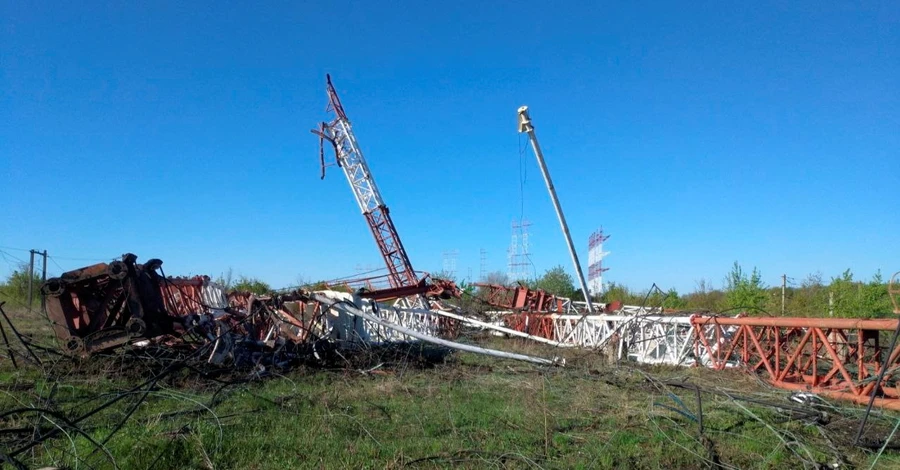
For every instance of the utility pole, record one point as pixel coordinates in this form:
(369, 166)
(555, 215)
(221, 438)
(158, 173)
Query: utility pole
(43, 280)
(30, 278)
(526, 127)
(783, 285)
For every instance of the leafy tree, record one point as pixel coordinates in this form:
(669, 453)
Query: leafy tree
(253, 285)
(15, 288)
(743, 291)
(558, 282)
(876, 298)
(673, 300)
(855, 299)
(618, 292)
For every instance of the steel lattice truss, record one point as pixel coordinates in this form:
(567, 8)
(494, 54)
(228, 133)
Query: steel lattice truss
(839, 358)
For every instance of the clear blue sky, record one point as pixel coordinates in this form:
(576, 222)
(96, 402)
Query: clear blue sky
(696, 134)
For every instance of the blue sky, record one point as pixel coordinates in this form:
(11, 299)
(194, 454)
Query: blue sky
(697, 134)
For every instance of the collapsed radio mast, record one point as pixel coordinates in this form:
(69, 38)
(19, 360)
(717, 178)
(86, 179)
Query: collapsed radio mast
(350, 158)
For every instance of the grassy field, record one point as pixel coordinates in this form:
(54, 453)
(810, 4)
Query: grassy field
(467, 411)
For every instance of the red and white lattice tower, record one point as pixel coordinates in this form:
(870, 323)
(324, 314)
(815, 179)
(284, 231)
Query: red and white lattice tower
(350, 158)
(595, 261)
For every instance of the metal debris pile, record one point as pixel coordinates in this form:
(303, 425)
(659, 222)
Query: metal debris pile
(107, 305)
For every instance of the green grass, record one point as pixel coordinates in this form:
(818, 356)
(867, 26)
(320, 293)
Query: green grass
(470, 412)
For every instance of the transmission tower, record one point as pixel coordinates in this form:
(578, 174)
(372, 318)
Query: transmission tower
(595, 261)
(482, 272)
(450, 263)
(519, 256)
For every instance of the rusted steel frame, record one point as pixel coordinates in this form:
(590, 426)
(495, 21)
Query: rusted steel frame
(769, 340)
(811, 361)
(764, 358)
(305, 326)
(838, 363)
(396, 292)
(105, 305)
(792, 359)
(860, 356)
(398, 264)
(497, 295)
(892, 358)
(731, 346)
(426, 286)
(182, 296)
(523, 298)
(534, 325)
(700, 338)
(66, 312)
(876, 359)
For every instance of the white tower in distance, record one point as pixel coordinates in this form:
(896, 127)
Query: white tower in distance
(595, 261)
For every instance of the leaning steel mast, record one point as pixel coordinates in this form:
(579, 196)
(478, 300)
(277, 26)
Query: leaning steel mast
(526, 127)
(350, 159)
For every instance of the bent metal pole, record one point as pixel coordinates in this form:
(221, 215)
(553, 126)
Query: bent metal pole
(526, 127)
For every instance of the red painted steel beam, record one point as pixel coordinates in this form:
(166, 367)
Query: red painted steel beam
(800, 322)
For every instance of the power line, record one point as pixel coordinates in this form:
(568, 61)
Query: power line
(14, 248)
(67, 258)
(4, 254)
(57, 264)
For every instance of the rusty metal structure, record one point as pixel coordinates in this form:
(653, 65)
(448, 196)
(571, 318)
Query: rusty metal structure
(834, 357)
(521, 298)
(380, 289)
(105, 305)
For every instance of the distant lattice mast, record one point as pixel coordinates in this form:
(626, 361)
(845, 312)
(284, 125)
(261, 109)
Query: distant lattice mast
(595, 261)
(519, 256)
(450, 263)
